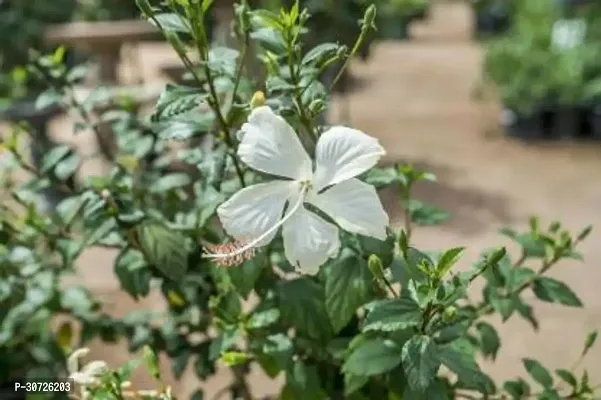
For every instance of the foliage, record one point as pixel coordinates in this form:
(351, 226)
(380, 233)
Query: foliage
(530, 70)
(383, 319)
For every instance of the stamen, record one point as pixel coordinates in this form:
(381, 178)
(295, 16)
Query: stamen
(233, 261)
(239, 250)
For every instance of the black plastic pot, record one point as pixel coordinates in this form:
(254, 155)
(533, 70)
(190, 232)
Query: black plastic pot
(594, 120)
(491, 21)
(421, 14)
(524, 126)
(567, 122)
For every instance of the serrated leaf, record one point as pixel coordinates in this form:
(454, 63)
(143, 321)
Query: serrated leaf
(538, 372)
(448, 259)
(320, 52)
(458, 357)
(302, 304)
(171, 22)
(176, 100)
(392, 314)
(163, 248)
(420, 362)
(169, 182)
(554, 291)
(347, 287)
(373, 357)
(270, 39)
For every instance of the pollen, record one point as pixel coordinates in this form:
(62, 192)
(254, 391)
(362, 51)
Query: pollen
(233, 248)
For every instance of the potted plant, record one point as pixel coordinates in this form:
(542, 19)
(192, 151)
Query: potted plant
(491, 17)
(543, 77)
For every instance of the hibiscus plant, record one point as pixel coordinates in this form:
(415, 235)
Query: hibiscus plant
(265, 235)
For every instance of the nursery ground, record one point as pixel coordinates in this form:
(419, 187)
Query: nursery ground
(416, 97)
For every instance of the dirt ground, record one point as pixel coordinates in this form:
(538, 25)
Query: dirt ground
(416, 97)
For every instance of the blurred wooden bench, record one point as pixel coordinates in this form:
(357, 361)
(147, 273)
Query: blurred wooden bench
(103, 39)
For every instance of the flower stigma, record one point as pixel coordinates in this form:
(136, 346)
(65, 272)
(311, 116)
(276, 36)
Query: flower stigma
(237, 252)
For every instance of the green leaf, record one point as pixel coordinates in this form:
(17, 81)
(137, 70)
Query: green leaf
(53, 157)
(302, 304)
(304, 381)
(384, 249)
(518, 277)
(406, 268)
(382, 177)
(245, 275)
(519, 389)
(373, 357)
(567, 377)
(169, 182)
(67, 167)
(47, 98)
(99, 232)
(280, 348)
(175, 100)
(165, 249)
(490, 342)
(132, 272)
(589, 342)
(420, 362)
(263, 318)
(347, 287)
(352, 383)
(392, 315)
(436, 391)
(172, 22)
(270, 39)
(554, 291)
(320, 52)
(426, 215)
(458, 357)
(448, 260)
(538, 372)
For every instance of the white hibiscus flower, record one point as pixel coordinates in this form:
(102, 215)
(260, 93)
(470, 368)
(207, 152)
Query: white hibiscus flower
(88, 375)
(253, 215)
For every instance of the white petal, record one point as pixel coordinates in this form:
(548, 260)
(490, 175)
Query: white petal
(309, 240)
(343, 153)
(270, 145)
(355, 206)
(95, 368)
(253, 210)
(73, 359)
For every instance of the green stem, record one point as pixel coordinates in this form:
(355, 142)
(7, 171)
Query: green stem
(354, 51)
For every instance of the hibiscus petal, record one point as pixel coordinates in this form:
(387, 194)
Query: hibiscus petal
(355, 206)
(268, 144)
(309, 240)
(343, 153)
(253, 210)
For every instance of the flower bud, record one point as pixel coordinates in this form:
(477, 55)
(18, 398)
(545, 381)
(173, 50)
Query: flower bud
(449, 315)
(257, 100)
(375, 266)
(317, 106)
(369, 17)
(105, 194)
